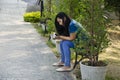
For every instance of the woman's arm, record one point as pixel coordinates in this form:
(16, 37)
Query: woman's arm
(71, 37)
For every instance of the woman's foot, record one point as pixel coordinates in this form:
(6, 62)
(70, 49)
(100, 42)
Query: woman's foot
(58, 64)
(64, 69)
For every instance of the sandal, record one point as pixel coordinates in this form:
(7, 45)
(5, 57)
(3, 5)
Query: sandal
(58, 64)
(64, 69)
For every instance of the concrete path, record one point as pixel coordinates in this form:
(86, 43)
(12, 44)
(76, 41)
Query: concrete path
(32, 5)
(23, 53)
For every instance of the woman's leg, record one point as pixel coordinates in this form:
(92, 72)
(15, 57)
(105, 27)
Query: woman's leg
(66, 45)
(62, 52)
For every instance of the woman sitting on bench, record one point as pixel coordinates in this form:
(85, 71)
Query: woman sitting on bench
(66, 29)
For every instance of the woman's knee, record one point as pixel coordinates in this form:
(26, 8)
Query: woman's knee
(67, 43)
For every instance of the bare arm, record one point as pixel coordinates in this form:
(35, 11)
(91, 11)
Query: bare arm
(71, 37)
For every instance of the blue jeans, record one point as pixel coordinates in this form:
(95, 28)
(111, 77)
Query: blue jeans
(65, 46)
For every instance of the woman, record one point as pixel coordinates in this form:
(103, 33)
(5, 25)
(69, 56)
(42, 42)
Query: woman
(66, 30)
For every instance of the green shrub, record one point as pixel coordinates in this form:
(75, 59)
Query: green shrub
(32, 17)
(50, 26)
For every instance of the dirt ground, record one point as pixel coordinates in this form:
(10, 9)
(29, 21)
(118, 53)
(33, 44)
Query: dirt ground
(112, 54)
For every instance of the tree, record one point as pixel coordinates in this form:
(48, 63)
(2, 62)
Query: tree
(93, 19)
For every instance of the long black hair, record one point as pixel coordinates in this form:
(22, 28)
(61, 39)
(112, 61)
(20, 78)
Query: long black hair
(62, 30)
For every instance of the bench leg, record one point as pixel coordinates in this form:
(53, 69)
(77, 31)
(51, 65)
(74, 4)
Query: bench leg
(77, 62)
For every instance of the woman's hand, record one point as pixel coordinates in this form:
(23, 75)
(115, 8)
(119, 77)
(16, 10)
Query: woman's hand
(57, 37)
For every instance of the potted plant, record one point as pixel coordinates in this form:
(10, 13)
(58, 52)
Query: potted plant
(94, 21)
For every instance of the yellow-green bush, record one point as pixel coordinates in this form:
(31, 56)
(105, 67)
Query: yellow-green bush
(32, 16)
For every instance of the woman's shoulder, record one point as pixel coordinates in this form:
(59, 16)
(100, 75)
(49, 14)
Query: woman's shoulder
(72, 27)
(73, 22)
